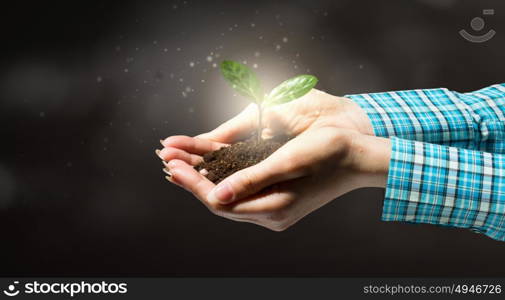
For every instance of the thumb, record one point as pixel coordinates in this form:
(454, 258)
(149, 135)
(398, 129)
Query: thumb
(237, 128)
(250, 181)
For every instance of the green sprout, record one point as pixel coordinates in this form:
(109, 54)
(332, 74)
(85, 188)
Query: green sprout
(246, 83)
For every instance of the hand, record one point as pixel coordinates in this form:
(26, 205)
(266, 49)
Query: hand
(321, 163)
(315, 109)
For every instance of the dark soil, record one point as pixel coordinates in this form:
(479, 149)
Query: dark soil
(228, 160)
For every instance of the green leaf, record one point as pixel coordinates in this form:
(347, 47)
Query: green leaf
(291, 89)
(242, 79)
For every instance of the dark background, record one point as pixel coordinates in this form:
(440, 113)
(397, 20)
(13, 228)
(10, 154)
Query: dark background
(87, 90)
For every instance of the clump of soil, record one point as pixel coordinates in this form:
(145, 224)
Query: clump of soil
(228, 160)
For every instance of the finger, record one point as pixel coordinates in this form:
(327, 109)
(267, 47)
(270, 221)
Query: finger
(168, 174)
(235, 129)
(276, 208)
(278, 167)
(170, 153)
(187, 177)
(192, 144)
(277, 197)
(282, 206)
(287, 118)
(294, 117)
(277, 121)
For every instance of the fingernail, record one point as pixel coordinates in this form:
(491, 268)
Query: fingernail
(222, 193)
(157, 152)
(161, 142)
(165, 164)
(167, 172)
(169, 178)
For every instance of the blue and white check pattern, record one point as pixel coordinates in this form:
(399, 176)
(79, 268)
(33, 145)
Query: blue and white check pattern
(437, 184)
(447, 164)
(471, 120)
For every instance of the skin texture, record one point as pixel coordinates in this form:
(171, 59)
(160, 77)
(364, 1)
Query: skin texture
(333, 152)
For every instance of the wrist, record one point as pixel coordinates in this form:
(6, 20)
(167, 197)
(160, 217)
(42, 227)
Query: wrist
(370, 157)
(357, 116)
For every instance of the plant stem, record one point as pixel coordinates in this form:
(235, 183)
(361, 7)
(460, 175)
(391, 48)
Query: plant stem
(260, 121)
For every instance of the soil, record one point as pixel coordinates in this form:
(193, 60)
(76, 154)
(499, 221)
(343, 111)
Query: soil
(228, 160)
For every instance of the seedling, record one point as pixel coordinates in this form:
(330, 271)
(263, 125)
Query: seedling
(246, 83)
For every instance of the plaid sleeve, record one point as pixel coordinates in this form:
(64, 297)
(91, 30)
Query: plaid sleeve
(449, 186)
(473, 120)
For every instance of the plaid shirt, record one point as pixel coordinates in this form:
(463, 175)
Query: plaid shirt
(448, 156)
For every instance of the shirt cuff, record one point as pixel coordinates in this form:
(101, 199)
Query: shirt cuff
(446, 186)
(488, 107)
(432, 115)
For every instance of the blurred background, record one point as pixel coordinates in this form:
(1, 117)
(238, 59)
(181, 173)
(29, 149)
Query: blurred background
(88, 89)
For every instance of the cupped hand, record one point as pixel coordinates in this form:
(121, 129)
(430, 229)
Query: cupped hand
(315, 109)
(332, 153)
